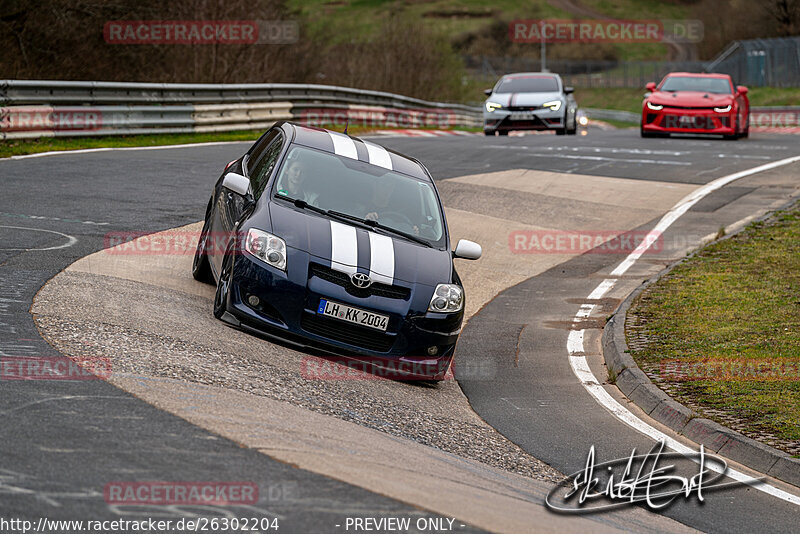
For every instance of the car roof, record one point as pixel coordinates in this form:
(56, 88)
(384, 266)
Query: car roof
(699, 75)
(532, 75)
(349, 146)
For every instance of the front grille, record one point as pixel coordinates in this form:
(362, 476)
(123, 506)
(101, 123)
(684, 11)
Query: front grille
(343, 280)
(697, 108)
(694, 122)
(522, 108)
(360, 336)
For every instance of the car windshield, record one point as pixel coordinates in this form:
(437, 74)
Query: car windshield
(527, 84)
(357, 189)
(693, 83)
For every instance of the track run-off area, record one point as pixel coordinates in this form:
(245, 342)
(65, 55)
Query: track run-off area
(189, 399)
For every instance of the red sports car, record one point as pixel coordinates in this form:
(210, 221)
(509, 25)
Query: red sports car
(692, 103)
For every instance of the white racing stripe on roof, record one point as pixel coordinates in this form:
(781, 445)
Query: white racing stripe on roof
(381, 258)
(379, 156)
(344, 248)
(343, 145)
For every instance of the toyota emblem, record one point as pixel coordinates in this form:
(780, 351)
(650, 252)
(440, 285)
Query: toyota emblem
(361, 280)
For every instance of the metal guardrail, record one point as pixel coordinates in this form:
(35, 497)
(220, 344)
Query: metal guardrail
(612, 115)
(42, 108)
(35, 108)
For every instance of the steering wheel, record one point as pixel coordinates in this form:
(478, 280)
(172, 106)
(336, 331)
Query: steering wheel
(397, 217)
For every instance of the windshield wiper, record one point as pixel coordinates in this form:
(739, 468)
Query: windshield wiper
(367, 223)
(302, 204)
(376, 224)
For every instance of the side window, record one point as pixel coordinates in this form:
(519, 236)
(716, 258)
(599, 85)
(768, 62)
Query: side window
(259, 149)
(264, 165)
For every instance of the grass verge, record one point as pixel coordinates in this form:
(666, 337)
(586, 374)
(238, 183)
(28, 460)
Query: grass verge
(49, 144)
(721, 331)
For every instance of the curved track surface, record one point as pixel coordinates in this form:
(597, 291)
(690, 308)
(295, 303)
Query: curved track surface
(588, 182)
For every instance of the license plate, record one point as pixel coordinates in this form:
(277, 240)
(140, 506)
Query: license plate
(353, 315)
(522, 116)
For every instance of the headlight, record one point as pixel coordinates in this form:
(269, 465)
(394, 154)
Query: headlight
(447, 298)
(555, 105)
(492, 106)
(583, 120)
(267, 248)
(654, 107)
(723, 110)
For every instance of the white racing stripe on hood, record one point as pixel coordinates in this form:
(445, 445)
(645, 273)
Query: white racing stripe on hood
(343, 145)
(379, 156)
(344, 248)
(381, 258)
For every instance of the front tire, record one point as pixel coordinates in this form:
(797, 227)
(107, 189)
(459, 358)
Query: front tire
(223, 286)
(201, 268)
(645, 134)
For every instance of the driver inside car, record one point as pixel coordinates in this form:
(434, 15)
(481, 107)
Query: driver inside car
(381, 204)
(294, 183)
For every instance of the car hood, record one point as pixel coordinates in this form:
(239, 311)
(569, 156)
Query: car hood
(524, 99)
(691, 99)
(335, 244)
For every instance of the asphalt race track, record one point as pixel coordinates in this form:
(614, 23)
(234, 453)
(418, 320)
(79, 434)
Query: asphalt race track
(64, 440)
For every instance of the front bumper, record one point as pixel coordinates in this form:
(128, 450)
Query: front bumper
(288, 311)
(537, 119)
(679, 120)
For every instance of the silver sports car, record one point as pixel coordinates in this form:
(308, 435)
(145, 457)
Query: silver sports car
(530, 101)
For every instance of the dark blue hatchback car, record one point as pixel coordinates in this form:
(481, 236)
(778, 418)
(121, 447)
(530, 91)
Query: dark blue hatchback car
(334, 243)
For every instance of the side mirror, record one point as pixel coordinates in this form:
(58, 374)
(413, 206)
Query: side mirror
(569, 90)
(467, 250)
(487, 92)
(236, 183)
(651, 87)
(741, 89)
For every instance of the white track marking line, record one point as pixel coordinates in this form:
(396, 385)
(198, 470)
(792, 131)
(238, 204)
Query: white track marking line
(575, 347)
(124, 148)
(70, 239)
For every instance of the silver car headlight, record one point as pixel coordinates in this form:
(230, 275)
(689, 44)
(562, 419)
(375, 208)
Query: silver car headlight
(266, 247)
(447, 298)
(554, 105)
(493, 106)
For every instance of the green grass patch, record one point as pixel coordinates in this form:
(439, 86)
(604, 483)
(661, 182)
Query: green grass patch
(19, 147)
(625, 99)
(49, 144)
(620, 124)
(738, 302)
